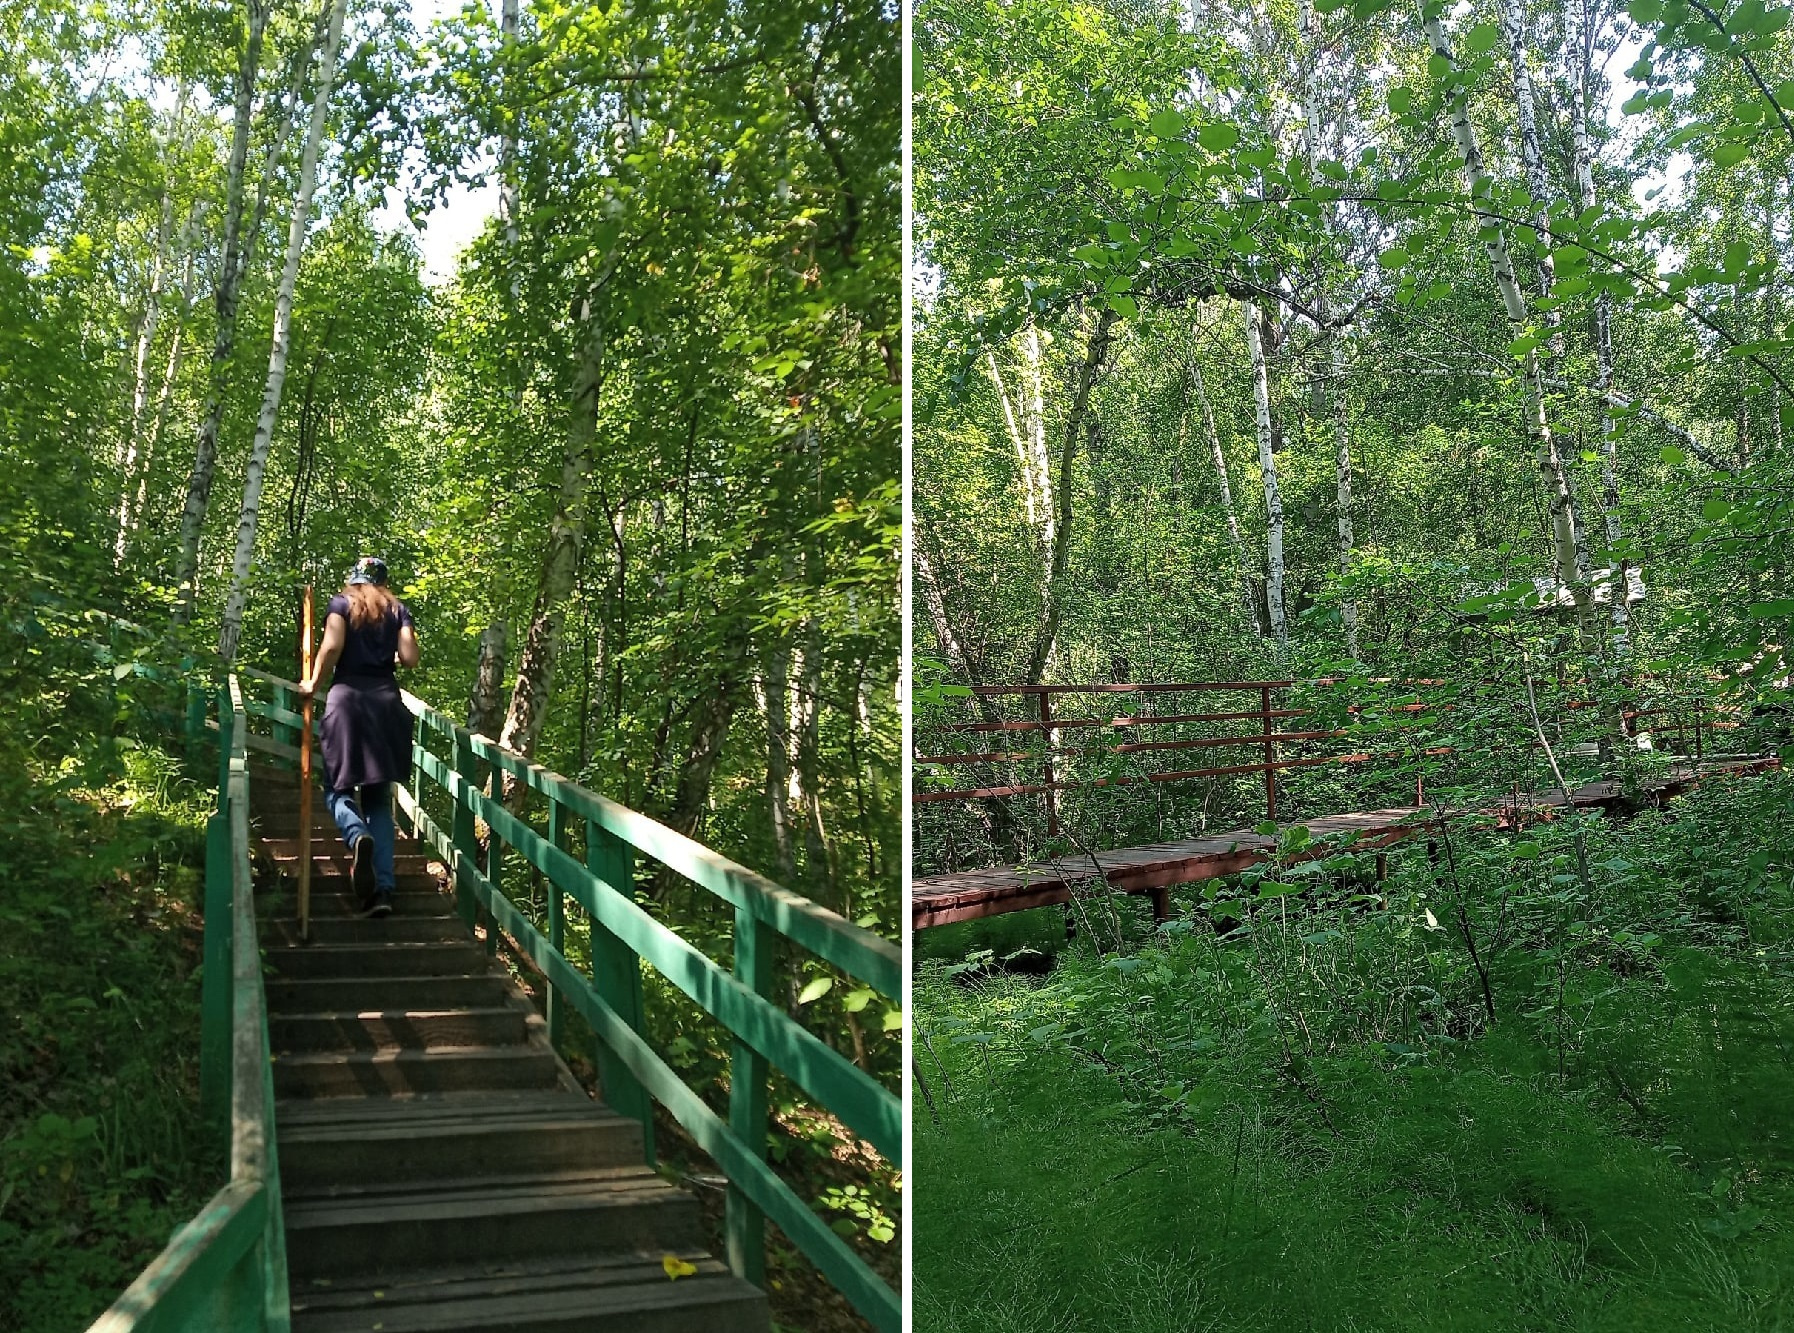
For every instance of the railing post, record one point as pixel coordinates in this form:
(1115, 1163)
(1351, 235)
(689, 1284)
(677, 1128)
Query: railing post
(215, 969)
(419, 742)
(495, 859)
(285, 732)
(1046, 733)
(462, 832)
(1270, 754)
(196, 708)
(744, 1224)
(617, 975)
(557, 922)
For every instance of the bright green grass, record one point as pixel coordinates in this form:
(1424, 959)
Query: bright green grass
(1126, 1146)
(101, 1151)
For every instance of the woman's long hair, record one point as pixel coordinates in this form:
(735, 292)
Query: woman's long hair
(369, 604)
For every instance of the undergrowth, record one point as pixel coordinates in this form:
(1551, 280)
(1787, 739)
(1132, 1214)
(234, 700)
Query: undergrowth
(1542, 1081)
(101, 1157)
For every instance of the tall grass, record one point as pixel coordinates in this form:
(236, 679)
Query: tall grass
(1311, 1122)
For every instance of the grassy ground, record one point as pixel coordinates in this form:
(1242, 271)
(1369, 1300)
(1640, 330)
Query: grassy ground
(1312, 1124)
(100, 1155)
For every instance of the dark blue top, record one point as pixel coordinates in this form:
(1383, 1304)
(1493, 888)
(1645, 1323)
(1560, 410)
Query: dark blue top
(369, 651)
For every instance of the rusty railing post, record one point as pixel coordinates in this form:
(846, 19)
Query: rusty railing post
(1046, 732)
(1270, 755)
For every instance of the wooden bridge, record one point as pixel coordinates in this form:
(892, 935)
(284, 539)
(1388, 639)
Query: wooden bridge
(408, 1149)
(1333, 737)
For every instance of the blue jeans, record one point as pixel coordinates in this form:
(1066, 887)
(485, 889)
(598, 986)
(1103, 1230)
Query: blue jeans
(376, 800)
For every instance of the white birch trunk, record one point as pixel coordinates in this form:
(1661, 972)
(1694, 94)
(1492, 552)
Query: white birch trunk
(230, 633)
(199, 481)
(1242, 558)
(1334, 386)
(1570, 550)
(132, 461)
(233, 263)
(1037, 440)
(1024, 461)
(1618, 581)
(1532, 157)
(507, 149)
(146, 329)
(1342, 474)
(1267, 466)
(130, 513)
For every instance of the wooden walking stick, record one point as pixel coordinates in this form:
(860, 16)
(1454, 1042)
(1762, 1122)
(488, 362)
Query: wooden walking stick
(305, 776)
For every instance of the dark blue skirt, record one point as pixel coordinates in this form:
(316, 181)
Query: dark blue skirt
(367, 733)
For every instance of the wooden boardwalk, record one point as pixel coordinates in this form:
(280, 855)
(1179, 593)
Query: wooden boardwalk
(440, 1167)
(1154, 869)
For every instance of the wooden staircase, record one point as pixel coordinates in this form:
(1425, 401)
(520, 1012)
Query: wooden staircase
(440, 1167)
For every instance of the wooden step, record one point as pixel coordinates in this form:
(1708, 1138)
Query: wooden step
(398, 1029)
(329, 884)
(332, 924)
(627, 1293)
(377, 960)
(329, 994)
(384, 1141)
(408, 857)
(399, 1073)
(387, 1229)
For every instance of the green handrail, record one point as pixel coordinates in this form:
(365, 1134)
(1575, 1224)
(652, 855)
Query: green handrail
(624, 936)
(447, 758)
(226, 1269)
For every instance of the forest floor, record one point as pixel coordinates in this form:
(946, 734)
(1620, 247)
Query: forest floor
(100, 1153)
(1312, 1124)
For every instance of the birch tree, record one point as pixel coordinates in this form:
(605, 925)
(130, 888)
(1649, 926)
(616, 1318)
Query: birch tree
(1256, 327)
(225, 299)
(1236, 539)
(231, 630)
(1582, 152)
(1570, 547)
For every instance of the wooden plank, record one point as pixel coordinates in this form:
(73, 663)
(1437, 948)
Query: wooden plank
(971, 895)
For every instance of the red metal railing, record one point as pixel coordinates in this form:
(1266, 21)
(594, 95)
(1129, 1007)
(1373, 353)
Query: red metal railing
(1268, 740)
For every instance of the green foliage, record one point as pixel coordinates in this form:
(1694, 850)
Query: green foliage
(1322, 1089)
(101, 1154)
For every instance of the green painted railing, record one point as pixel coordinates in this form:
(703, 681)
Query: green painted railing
(226, 1269)
(447, 759)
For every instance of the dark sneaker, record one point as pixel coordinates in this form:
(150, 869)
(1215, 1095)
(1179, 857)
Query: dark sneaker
(382, 903)
(361, 876)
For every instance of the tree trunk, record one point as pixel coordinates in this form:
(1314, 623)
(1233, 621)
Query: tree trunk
(1267, 466)
(566, 540)
(1333, 386)
(230, 633)
(146, 336)
(1342, 474)
(1532, 156)
(1618, 578)
(1570, 548)
(1053, 594)
(485, 705)
(776, 691)
(205, 454)
(136, 487)
(1024, 459)
(1241, 556)
(998, 825)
